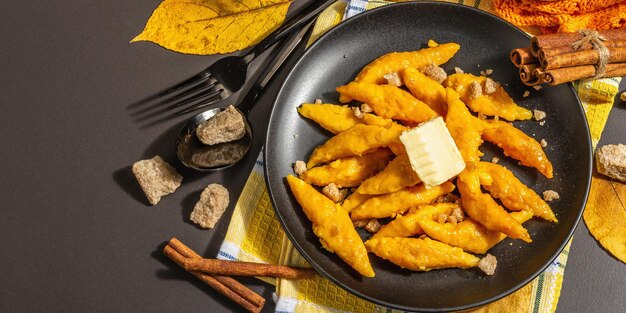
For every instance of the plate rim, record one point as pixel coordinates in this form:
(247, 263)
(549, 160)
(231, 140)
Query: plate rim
(320, 270)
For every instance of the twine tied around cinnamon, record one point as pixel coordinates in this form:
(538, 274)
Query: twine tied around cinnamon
(597, 42)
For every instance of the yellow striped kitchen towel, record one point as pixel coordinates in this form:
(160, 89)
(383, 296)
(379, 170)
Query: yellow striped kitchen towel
(254, 233)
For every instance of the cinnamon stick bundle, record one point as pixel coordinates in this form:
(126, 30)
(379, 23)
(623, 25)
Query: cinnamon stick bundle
(235, 291)
(561, 58)
(556, 40)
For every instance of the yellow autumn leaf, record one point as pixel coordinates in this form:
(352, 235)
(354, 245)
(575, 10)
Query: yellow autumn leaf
(605, 214)
(212, 26)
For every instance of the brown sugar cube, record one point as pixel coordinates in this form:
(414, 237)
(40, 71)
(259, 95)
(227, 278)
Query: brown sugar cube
(393, 79)
(333, 192)
(611, 161)
(490, 86)
(475, 90)
(550, 195)
(435, 72)
(299, 167)
(213, 202)
(373, 226)
(488, 264)
(156, 178)
(458, 214)
(225, 126)
(539, 115)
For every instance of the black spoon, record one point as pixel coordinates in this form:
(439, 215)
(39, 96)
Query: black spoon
(198, 156)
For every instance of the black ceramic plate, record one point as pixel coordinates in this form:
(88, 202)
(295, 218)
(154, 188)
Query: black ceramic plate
(485, 42)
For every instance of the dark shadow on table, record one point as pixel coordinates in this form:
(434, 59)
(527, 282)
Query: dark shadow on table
(126, 180)
(165, 146)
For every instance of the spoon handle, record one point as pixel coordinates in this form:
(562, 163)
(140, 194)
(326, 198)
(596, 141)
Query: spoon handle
(268, 72)
(301, 18)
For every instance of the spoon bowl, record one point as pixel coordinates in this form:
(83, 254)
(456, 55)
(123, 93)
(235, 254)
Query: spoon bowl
(198, 156)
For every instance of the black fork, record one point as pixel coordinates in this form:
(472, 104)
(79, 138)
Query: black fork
(227, 75)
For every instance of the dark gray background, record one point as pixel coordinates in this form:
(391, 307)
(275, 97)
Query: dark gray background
(78, 233)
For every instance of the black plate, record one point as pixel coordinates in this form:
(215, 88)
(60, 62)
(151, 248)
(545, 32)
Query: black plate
(485, 42)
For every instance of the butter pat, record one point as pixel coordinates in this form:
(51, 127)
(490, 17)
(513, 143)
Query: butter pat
(432, 152)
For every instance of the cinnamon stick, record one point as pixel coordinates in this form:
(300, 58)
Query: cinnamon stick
(584, 57)
(522, 56)
(238, 293)
(527, 75)
(568, 74)
(223, 267)
(562, 39)
(553, 51)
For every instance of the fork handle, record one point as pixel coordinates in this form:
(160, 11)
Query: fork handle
(304, 16)
(293, 42)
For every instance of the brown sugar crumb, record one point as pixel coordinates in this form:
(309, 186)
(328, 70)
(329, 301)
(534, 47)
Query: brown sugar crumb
(357, 112)
(486, 72)
(449, 198)
(458, 70)
(366, 108)
(543, 143)
(452, 219)
(539, 115)
(526, 94)
(488, 264)
(490, 86)
(225, 126)
(373, 226)
(495, 160)
(213, 202)
(360, 223)
(458, 214)
(318, 101)
(550, 195)
(442, 218)
(299, 167)
(422, 236)
(475, 90)
(537, 87)
(496, 117)
(157, 178)
(435, 72)
(393, 79)
(333, 192)
(482, 116)
(611, 161)
(622, 96)
(542, 123)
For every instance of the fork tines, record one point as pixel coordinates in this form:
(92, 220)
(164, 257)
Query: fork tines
(198, 91)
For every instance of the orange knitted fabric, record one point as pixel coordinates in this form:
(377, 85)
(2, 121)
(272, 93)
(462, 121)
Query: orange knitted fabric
(564, 15)
(562, 6)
